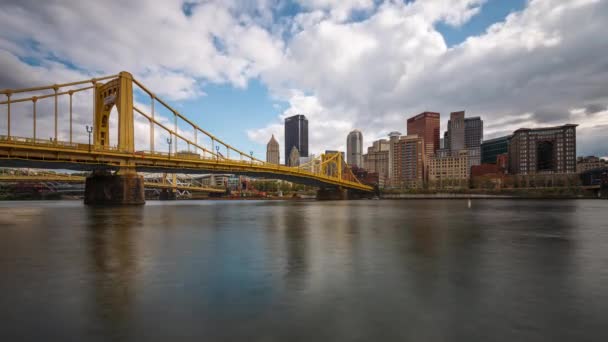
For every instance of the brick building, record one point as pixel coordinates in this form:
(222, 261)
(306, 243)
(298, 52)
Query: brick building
(543, 150)
(409, 158)
(426, 126)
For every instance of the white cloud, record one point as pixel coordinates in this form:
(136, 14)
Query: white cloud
(144, 37)
(452, 12)
(345, 64)
(177, 86)
(532, 68)
(339, 10)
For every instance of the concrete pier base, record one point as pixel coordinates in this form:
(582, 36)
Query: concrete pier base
(332, 194)
(603, 191)
(167, 195)
(338, 194)
(107, 189)
(217, 195)
(355, 195)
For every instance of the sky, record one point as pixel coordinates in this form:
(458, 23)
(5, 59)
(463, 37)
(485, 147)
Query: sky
(238, 68)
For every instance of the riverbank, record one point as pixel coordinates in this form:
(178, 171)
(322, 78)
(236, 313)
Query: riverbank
(541, 193)
(443, 196)
(527, 193)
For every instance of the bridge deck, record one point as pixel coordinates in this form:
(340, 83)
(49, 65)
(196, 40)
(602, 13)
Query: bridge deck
(25, 152)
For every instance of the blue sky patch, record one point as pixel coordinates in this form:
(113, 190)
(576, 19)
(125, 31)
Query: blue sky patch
(491, 12)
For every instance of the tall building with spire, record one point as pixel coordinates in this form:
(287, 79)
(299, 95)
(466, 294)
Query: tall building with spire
(272, 151)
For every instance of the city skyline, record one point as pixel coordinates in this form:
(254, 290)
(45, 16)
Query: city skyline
(471, 136)
(303, 170)
(298, 61)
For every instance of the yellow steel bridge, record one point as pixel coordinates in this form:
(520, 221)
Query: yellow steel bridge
(201, 152)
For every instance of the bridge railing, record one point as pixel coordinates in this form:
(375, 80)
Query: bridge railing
(54, 143)
(36, 94)
(37, 142)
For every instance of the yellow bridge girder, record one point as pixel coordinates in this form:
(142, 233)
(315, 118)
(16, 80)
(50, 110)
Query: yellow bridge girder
(117, 91)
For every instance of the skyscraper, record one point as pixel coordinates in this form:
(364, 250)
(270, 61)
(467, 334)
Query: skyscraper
(354, 148)
(473, 135)
(272, 151)
(465, 133)
(426, 126)
(456, 128)
(473, 132)
(296, 135)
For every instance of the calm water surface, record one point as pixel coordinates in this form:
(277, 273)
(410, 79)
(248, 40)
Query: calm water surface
(427, 270)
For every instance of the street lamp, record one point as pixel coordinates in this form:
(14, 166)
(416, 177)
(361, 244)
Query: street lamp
(251, 155)
(217, 152)
(169, 141)
(89, 130)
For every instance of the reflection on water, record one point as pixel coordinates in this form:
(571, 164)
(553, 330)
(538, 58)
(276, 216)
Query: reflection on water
(113, 263)
(296, 246)
(273, 271)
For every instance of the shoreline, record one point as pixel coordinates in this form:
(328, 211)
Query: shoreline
(480, 196)
(443, 196)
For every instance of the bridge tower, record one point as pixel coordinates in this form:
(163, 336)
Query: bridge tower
(117, 92)
(332, 166)
(125, 186)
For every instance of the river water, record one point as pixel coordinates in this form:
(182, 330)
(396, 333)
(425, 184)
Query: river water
(409, 270)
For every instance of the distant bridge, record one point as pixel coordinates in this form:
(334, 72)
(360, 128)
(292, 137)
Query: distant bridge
(80, 179)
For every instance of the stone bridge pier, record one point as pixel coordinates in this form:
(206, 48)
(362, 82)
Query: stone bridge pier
(167, 195)
(603, 191)
(104, 188)
(339, 193)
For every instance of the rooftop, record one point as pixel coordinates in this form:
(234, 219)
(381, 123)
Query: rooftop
(506, 137)
(545, 128)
